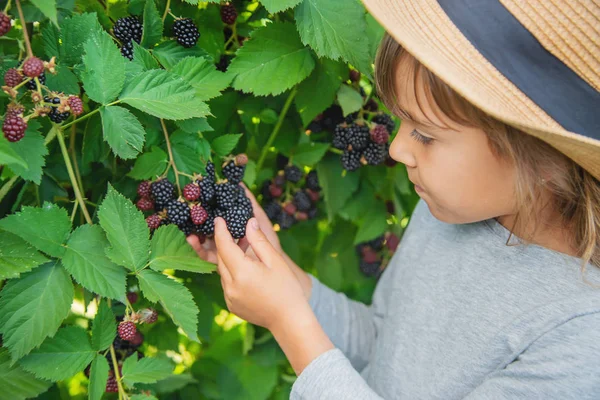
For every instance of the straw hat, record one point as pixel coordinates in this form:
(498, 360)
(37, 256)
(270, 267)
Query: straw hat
(533, 64)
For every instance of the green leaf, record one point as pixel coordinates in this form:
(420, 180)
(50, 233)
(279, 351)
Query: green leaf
(48, 8)
(170, 52)
(349, 99)
(33, 150)
(16, 383)
(373, 223)
(224, 144)
(146, 370)
(104, 73)
(153, 25)
(142, 397)
(164, 95)
(309, 153)
(62, 356)
(126, 230)
(272, 61)
(75, 31)
(175, 298)
(64, 81)
(187, 152)
(143, 58)
(203, 76)
(375, 33)
(335, 29)
(98, 377)
(169, 249)
(150, 164)
(275, 6)
(104, 328)
(336, 187)
(194, 125)
(50, 36)
(122, 131)
(33, 307)
(17, 256)
(8, 155)
(86, 260)
(47, 227)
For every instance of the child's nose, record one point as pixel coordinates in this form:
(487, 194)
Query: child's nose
(402, 149)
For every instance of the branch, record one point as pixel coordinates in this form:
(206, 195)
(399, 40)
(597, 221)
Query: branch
(171, 160)
(25, 33)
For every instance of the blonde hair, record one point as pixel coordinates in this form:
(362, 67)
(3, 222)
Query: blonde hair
(573, 191)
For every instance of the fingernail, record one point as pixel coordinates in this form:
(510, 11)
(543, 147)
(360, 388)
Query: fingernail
(254, 224)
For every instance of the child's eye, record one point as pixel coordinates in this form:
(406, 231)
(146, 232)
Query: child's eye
(420, 138)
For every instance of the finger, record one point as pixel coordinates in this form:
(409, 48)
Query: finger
(243, 243)
(227, 250)
(194, 241)
(226, 278)
(259, 213)
(263, 249)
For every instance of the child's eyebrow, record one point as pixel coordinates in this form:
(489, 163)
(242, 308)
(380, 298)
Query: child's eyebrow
(405, 115)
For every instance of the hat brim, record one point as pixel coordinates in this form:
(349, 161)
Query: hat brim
(424, 30)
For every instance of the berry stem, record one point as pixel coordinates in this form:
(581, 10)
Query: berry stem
(7, 186)
(167, 7)
(7, 7)
(86, 116)
(276, 129)
(74, 211)
(171, 159)
(25, 33)
(24, 82)
(78, 196)
(336, 151)
(74, 155)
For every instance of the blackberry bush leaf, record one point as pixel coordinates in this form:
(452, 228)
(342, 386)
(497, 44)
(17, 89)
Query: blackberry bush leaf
(16, 383)
(145, 370)
(169, 249)
(142, 396)
(175, 298)
(143, 58)
(350, 100)
(8, 154)
(225, 144)
(50, 37)
(98, 377)
(336, 189)
(153, 25)
(150, 164)
(61, 356)
(33, 307)
(122, 131)
(48, 8)
(275, 6)
(163, 95)
(64, 80)
(104, 327)
(309, 153)
(373, 223)
(86, 261)
(17, 256)
(47, 227)
(33, 151)
(194, 125)
(125, 229)
(75, 31)
(203, 76)
(104, 75)
(272, 61)
(187, 152)
(170, 53)
(335, 29)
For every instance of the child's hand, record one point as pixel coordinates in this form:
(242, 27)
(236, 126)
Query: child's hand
(258, 285)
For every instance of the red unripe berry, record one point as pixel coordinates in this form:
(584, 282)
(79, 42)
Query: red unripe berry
(379, 134)
(354, 75)
(289, 208)
(145, 204)
(132, 297)
(301, 216)
(111, 385)
(241, 159)
(138, 339)
(148, 315)
(75, 104)
(198, 214)
(33, 67)
(228, 13)
(14, 127)
(143, 189)
(369, 255)
(4, 24)
(314, 196)
(392, 242)
(191, 192)
(127, 330)
(12, 77)
(275, 190)
(153, 221)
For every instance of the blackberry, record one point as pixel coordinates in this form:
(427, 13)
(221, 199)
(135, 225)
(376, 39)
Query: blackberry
(210, 171)
(285, 221)
(111, 385)
(132, 297)
(75, 104)
(208, 227)
(301, 216)
(236, 219)
(273, 210)
(198, 214)
(126, 330)
(302, 201)
(228, 13)
(380, 134)
(149, 316)
(281, 161)
(188, 228)
(290, 208)
(265, 190)
(31, 85)
(127, 29)
(178, 212)
(162, 191)
(371, 105)
(392, 242)
(350, 118)
(191, 192)
(244, 202)
(293, 173)
(340, 137)
(314, 196)
(186, 32)
(377, 243)
(4, 24)
(312, 213)
(375, 153)
(275, 191)
(358, 136)
(350, 160)
(224, 62)
(279, 179)
(145, 204)
(33, 67)
(143, 189)
(332, 117)
(137, 340)
(56, 116)
(386, 120)
(12, 77)
(354, 75)
(207, 190)
(312, 181)
(315, 127)
(14, 127)
(153, 221)
(370, 269)
(226, 194)
(127, 50)
(234, 173)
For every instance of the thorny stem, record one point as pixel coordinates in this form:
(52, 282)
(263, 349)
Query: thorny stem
(276, 129)
(25, 33)
(166, 10)
(171, 159)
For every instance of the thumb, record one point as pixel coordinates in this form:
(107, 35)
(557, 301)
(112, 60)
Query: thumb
(263, 249)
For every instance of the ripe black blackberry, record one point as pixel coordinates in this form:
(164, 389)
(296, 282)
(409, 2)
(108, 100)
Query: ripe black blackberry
(273, 210)
(312, 213)
(302, 201)
(228, 13)
(285, 221)
(127, 50)
(375, 153)
(12, 77)
(31, 85)
(126, 330)
(292, 173)
(312, 181)
(332, 117)
(370, 269)
(14, 127)
(350, 160)
(207, 189)
(4, 24)
(340, 137)
(191, 192)
(234, 173)
(236, 219)
(208, 227)
(162, 191)
(225, 194)
(178, 212)
(33, 67)
(380, 134)
(350, 118)
(386, 120)
(315, 127)
(210, 171)
(186, 32)
(55, 115)
(358, 136)
(127, 29)
(244, 203)
(188, 227)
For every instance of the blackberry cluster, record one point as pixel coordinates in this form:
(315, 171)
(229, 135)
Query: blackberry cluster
(123, 349)
(128, 29)
(186, 32)
(55, 115)
(286, 202)
(228, 13)
(4, 24)
(14, 126)
(376, 253)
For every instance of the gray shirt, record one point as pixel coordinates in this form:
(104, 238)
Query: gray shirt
(458, 314)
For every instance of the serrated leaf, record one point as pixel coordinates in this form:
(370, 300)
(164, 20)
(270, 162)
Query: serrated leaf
(86, 261)
(61, 356)
(203, 76)
(33, 307)
(50, 36)
(194, 125)
(104, 328)
(175, 298)
(146, 370)
(47, 227)
(187, 151)
(164, 95)
(349, 99)
(375, 32)
(309, 153)
(48, 8)
(33, 151)
(98, 377)
(150, 164)
(169, 249)
(63, 81)
(373, 223)
(275, 6)
(8, 155)
(337, 189)
(153, 25)
(143, 58)
(272, 61)
(75, 31)
(17, 256)
(104, 73)
(335, 29)
(16, 383)
(122, 131)
(170, 52)
(126, 230)
(224, 144)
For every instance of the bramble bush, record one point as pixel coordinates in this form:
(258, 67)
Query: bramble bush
(128, 125)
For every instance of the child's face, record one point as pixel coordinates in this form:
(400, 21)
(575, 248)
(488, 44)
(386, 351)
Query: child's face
(460, 179)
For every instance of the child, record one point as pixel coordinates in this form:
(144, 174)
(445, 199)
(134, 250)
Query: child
(501, 136)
